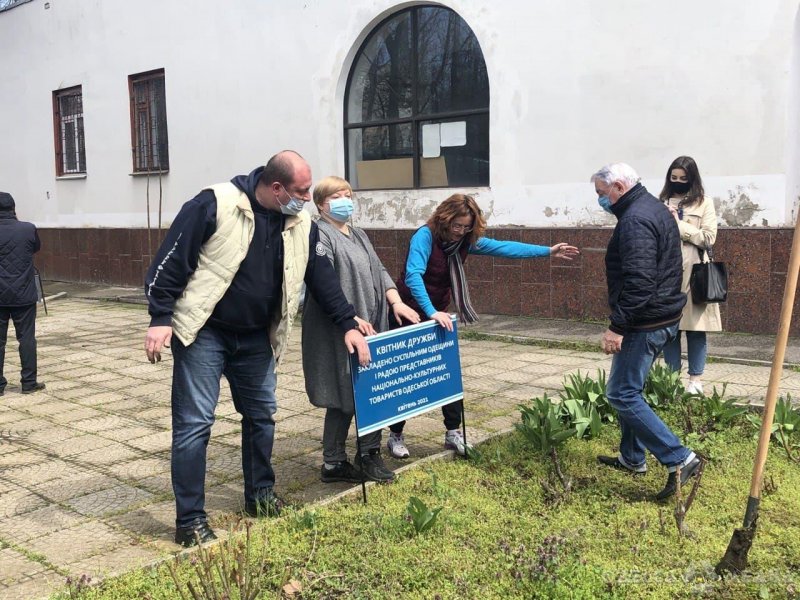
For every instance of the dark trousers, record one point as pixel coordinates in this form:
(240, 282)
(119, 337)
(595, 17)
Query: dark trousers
(24, 318)
(451, 412)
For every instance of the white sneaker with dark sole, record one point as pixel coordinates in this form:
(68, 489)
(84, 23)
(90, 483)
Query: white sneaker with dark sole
(397, 445)
(454, 440)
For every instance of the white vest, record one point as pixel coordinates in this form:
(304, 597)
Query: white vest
(220, 258)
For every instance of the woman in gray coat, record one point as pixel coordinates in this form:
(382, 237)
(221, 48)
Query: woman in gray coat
(369, 288)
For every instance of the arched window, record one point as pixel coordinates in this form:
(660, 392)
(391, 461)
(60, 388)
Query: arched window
(417, 104)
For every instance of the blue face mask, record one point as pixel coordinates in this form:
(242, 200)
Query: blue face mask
(605, 203)
(293, 207)
(340, 209)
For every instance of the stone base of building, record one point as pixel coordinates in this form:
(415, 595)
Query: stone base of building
(757, 260)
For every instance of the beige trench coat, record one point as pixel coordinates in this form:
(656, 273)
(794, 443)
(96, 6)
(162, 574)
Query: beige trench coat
(698, 228)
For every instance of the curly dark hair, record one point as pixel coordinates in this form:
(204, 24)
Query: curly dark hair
(457, 205)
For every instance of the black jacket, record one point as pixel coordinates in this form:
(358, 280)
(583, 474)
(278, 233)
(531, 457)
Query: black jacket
(644, 266)
(19, 241)
(254, 295)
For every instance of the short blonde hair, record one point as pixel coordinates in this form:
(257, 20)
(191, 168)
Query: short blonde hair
(330, 185)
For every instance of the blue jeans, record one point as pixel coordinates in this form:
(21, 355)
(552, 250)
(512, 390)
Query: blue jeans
(696, 349)
(246, 361)
(641, 427)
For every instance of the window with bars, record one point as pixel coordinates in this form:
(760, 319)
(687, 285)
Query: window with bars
(150, 145)
(417, 104)
(68, 121)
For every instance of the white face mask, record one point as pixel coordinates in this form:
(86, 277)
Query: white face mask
(293, 206)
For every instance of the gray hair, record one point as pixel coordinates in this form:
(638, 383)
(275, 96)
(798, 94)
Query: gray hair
(617, 172)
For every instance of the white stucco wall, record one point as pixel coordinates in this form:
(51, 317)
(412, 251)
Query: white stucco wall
(574, 84)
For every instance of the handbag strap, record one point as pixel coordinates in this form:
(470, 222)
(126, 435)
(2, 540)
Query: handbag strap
(708, 250)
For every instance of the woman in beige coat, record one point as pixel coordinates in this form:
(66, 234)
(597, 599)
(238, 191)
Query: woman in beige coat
(697, 221)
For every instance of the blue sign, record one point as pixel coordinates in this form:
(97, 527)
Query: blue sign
(414, 369)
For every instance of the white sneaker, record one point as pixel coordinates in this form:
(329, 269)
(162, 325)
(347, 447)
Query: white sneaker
(695, 387)
(454, 440)
(397, 445)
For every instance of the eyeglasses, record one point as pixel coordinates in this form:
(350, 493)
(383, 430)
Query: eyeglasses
(461, 228)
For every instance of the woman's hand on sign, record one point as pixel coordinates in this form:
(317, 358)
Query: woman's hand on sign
(403, 312)
(365, 327)
(443, 319)
(355, 342)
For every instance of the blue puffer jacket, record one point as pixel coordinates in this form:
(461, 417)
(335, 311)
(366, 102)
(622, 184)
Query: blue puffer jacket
(644, 267)
(18, 243)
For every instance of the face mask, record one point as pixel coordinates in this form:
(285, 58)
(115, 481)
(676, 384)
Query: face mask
(605, 203)
(293, 207)
(340, 209)
(679, 187)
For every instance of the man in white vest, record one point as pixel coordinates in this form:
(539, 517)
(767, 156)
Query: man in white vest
(223, 291)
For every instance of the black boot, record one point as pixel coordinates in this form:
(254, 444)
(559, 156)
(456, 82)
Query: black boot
(190, 534)
(267, 504)
(343, 471)
(687, 473)
(374, 468)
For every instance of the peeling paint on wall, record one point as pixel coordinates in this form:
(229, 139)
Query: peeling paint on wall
(738, 210)
(402, 209)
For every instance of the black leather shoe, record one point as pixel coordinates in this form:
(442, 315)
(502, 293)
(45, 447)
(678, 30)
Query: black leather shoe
(38, 386)
(267, 505)
(687, 473)
(374, 468)
(344, 471)
(188, 536)
(613, 462)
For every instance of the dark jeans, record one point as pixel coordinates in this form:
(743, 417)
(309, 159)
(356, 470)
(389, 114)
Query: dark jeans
(641, 427)
(24, 318)
(246, 361)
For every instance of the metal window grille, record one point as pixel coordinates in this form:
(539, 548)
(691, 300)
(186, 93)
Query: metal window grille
(70, 146)
(420, 66)
(149, 123)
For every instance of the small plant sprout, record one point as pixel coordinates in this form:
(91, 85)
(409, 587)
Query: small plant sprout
(421, 517)
(543, 427)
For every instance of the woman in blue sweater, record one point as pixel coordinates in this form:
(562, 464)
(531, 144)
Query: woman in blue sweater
(434, 275)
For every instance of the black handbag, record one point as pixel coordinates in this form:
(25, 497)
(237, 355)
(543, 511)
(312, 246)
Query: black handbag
(709, 280)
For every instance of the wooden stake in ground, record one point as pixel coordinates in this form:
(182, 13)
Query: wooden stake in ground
(735, 559)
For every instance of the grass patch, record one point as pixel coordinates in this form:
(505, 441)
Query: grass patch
(497, 536)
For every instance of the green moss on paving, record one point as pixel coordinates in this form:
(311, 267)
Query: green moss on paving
(497, 535)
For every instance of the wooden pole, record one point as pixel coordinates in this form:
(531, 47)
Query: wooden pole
(735, 559)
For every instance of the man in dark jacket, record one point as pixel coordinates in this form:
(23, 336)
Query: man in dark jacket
(18, 243)
(644, 270)
(224, 289)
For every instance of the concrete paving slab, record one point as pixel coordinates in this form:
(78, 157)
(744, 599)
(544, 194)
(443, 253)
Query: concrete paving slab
(86, 465)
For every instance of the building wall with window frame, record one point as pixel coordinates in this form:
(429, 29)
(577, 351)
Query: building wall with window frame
(573, 86)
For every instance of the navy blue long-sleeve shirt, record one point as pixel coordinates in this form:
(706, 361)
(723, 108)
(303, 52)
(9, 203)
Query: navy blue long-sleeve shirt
(254, 295)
